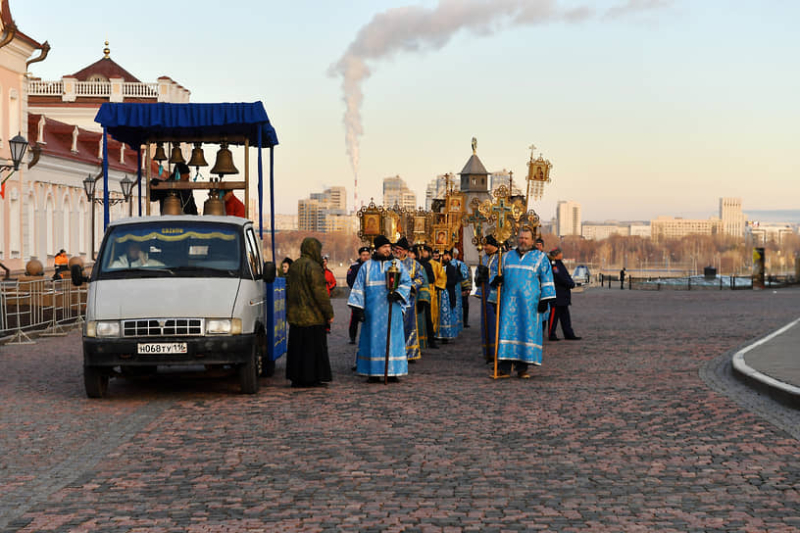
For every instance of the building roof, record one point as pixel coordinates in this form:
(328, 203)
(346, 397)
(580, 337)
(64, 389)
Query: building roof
(106, 67)
(474, 167)
(57, 141)
(7, 20)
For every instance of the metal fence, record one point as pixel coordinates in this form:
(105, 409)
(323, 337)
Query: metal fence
(694, 283)
(44, 307)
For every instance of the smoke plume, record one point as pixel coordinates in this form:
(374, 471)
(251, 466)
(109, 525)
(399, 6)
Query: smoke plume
(421, 29)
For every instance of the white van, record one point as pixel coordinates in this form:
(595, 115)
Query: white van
(176, 291)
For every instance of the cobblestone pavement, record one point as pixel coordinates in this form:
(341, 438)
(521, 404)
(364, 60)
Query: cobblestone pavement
(637, 427)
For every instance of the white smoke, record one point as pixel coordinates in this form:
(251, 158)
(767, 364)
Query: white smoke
(420, 29)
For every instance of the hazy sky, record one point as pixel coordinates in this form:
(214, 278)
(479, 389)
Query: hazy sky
(644, 107)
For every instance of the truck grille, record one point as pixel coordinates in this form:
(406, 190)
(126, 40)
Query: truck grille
(165, 327)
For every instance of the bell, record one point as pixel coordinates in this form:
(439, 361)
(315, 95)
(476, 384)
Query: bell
(177, 155)
(172, 205)
(160, 154)
(197, 159)
(224, 164)
(213, 205)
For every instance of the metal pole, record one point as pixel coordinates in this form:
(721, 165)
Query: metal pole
(272, 197)
(106, 214)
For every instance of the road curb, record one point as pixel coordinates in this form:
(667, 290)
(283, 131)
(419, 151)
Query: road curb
(780, 391)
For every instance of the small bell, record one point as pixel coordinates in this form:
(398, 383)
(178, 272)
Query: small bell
(214, 205)
(172, 205)
(224, 164)
(160, 154)
(198, 158)
(177, 155)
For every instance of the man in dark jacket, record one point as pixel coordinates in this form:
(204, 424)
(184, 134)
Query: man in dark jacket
(560, 311)
(309, 312)
(363, 255)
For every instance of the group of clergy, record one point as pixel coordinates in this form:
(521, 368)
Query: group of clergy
(426, 306)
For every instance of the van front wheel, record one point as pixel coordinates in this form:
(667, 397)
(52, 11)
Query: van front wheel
(248, 373)
(95, 381)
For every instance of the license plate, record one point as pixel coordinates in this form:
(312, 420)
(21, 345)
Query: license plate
(158, 348)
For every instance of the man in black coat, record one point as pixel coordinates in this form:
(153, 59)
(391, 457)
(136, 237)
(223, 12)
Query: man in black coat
(560, 311)
(363, 255)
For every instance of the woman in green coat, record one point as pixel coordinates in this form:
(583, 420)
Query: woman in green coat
(309, 312)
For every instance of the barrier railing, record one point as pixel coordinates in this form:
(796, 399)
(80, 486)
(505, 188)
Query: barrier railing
(44, 306)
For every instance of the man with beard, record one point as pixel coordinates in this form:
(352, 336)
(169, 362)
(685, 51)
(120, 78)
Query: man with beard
(309, 313)
(526, 282)
(401, 250)
(450, 300)
(363, 256)
(483, 277)
(371, 300)
(432, 309)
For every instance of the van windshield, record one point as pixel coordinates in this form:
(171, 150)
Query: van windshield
(191, 249)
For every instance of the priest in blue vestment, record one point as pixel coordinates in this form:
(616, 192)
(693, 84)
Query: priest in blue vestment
(526, 286)
(415, 273)
(450, 300)
(370, 299)
(483, 277)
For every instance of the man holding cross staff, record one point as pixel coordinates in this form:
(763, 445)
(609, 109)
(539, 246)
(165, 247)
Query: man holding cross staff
(525, 285)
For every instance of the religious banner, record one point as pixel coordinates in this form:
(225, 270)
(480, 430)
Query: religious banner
(371, 222)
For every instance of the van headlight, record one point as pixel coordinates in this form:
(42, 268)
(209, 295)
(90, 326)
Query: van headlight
(223, 326)
(103, 328)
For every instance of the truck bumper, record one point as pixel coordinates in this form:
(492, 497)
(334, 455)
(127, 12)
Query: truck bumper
(220, 350)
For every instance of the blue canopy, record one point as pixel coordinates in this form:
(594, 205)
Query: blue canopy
(138, 124)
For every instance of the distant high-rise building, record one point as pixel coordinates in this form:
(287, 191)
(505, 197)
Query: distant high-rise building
(438, 187)
(395, 191)
(665, 228)
(568, 218)
(503, 177)
(324, 211)
(730, 213)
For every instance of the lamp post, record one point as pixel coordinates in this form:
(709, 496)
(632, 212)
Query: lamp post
(89, 188)
(18, 145)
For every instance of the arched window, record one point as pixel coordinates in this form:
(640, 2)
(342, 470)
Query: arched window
(49, 225)
(15, 235)
(13, 113)
(29, 226)
(82, 229)
(66, 224)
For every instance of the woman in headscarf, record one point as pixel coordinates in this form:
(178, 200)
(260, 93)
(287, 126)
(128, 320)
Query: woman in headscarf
(309, 312)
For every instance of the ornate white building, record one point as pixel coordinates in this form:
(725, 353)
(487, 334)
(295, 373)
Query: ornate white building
(45, 207)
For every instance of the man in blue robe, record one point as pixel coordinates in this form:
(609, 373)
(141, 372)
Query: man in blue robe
(415, 273)
(483, 277)
(371, 299)
(449, 300)
(463, 272)
(526, 285)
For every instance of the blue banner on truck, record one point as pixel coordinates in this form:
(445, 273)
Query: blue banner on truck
(277, 329)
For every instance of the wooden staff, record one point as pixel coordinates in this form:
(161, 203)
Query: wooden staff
(497, 318)
(388, 346)
(485, 288)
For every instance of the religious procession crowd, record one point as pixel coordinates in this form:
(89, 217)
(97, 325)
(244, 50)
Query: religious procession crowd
(407, 299)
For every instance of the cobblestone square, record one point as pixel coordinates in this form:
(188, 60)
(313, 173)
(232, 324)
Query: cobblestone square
(638, 427)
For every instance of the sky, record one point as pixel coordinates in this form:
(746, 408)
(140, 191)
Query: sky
(644, 107)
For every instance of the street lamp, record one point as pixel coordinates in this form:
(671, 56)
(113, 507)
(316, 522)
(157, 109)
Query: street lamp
(18, 147)
(89, 188)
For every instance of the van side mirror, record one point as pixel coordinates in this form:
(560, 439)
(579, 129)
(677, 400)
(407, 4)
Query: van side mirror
(269, 271)
(76, 273)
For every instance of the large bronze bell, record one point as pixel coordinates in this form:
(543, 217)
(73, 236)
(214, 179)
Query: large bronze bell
(160, 154)
(177, 155)
(224, 164)
(172, 205)
(198, 158)
(214, 205)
